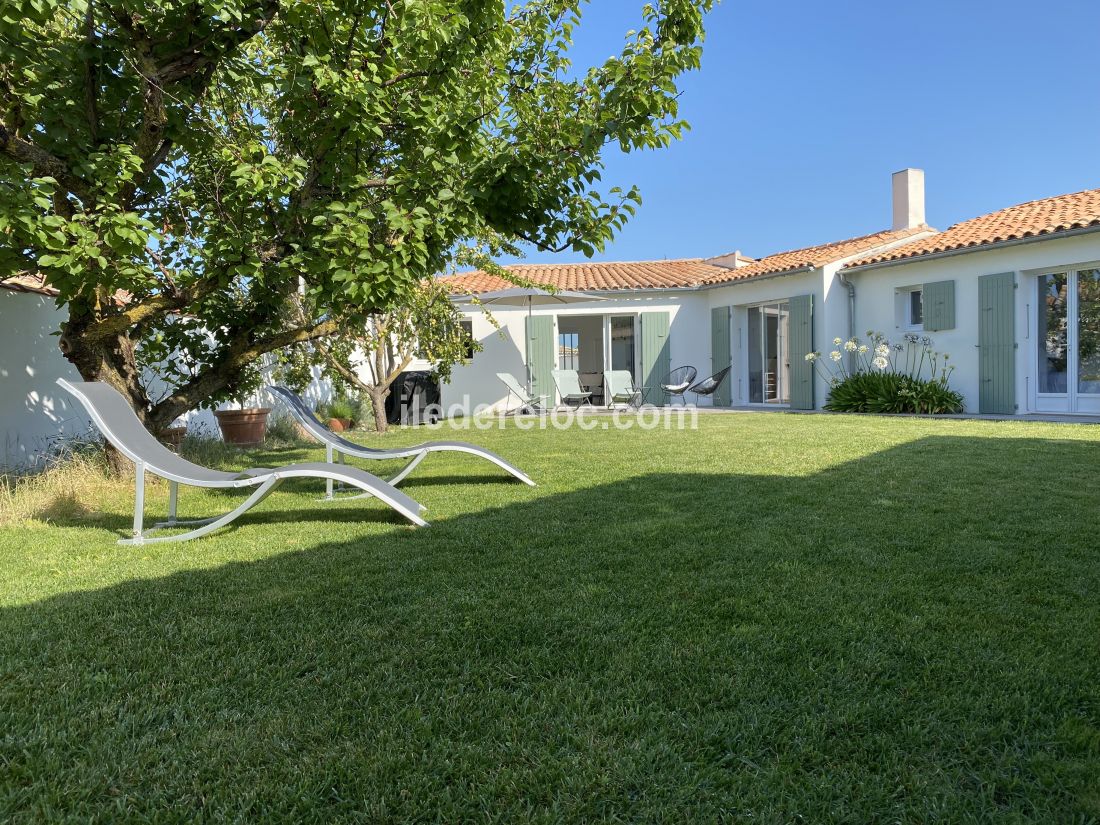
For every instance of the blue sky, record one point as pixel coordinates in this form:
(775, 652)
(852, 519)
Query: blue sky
(803, 108)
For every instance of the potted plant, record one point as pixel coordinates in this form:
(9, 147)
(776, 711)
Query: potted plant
(244, 425)
(341, 415)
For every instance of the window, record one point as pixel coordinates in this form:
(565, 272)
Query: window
(914, 309)
(468, 330)
(569, 353)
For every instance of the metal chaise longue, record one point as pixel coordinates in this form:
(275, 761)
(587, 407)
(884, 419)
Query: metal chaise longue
(335, 446)
(120, 425)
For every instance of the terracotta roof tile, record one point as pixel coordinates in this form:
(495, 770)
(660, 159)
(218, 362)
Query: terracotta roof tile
(28, 282)
(814, 256)
(595, 276)
(1032, 219)
(685, 272)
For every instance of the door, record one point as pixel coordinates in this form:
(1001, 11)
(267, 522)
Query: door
(769, 352)
(540, 355)
(623, 351)
(720, 352)
(997, 344)
(656, 356)
(1067, 342)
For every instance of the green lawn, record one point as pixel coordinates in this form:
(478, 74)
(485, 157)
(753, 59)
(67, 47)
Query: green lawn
(773, 618)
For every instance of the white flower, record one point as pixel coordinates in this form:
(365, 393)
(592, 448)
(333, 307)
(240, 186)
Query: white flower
(862, 349)
(880, 362)
(882, 350)
(851, 346)
(838, 341)
(835, 355)
(812, 356)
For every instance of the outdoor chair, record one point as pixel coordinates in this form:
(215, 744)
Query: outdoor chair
(709, 386)
(621, 388)
(526, 400)
(679, 381)
(118, 422)
(337, 447)
(569, 388)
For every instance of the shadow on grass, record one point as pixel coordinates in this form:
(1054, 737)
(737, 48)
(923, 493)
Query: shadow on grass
(909, 636)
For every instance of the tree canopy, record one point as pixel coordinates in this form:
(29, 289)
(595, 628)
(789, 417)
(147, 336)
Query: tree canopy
(180, 170)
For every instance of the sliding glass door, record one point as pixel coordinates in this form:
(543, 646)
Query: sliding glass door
(769, 364)
(1067, 367)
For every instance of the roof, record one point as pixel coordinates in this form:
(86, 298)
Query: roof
(594, 276)
(815, 256)
(28, 282)
(675, 274)
(1064, 213)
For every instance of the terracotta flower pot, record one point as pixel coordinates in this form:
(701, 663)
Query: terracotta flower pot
(243, 427)
(339, 425)
(173, 437)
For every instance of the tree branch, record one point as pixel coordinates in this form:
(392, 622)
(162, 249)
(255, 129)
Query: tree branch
(210, 49)
(42, 163)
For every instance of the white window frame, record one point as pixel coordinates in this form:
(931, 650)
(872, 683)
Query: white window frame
(905, 317)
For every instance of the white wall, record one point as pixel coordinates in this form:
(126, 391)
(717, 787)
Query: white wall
(876, 291)
(689, 339)
(34, 411)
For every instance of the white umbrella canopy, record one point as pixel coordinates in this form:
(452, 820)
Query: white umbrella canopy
(529, 297)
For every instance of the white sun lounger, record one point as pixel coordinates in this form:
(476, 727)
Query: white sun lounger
(335, 446)
(120, 425)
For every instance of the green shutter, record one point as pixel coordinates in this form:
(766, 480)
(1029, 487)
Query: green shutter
(720, 356)
(997, 343)
(656, 358)
(939, 305)
(541, 355)
(801, 338)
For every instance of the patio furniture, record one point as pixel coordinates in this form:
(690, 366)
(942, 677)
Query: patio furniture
(527, 401)
(120, 425)
(337, 447)
(679, 381)
(569, 388)
(709, 386)
(621, 388)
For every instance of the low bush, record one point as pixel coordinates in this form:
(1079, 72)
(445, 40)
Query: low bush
(888, 378)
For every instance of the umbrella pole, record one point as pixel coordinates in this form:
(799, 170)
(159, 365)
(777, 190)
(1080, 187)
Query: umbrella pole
(527, 353)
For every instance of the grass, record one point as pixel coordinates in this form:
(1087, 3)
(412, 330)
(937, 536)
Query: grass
(771, 619)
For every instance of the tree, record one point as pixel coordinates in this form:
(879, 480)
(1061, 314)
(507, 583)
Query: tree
(182, 171)
(371, 356)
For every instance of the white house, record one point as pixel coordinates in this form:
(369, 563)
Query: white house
(1013, 297)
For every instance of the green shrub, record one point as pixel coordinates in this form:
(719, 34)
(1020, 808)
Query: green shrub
(890, 392)
(888, 378)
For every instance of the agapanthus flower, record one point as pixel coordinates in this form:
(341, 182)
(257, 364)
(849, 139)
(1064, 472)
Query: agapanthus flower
(880, 362)
(838, 341)
(862, 349)
(851, 346)
(812, 356)
(882, 350)
(835, 355)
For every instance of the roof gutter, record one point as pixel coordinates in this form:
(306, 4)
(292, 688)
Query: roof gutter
(949, 253)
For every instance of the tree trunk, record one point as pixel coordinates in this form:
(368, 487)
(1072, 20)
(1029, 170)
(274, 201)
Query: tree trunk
(111, 360)
(378, 404)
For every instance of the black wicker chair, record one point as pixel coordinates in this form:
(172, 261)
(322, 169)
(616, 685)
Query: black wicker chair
(709, 386)
(679, 381)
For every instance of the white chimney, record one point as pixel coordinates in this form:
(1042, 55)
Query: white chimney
(908, 198)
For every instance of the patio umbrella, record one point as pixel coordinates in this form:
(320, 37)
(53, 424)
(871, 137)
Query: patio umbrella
(528, 297)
